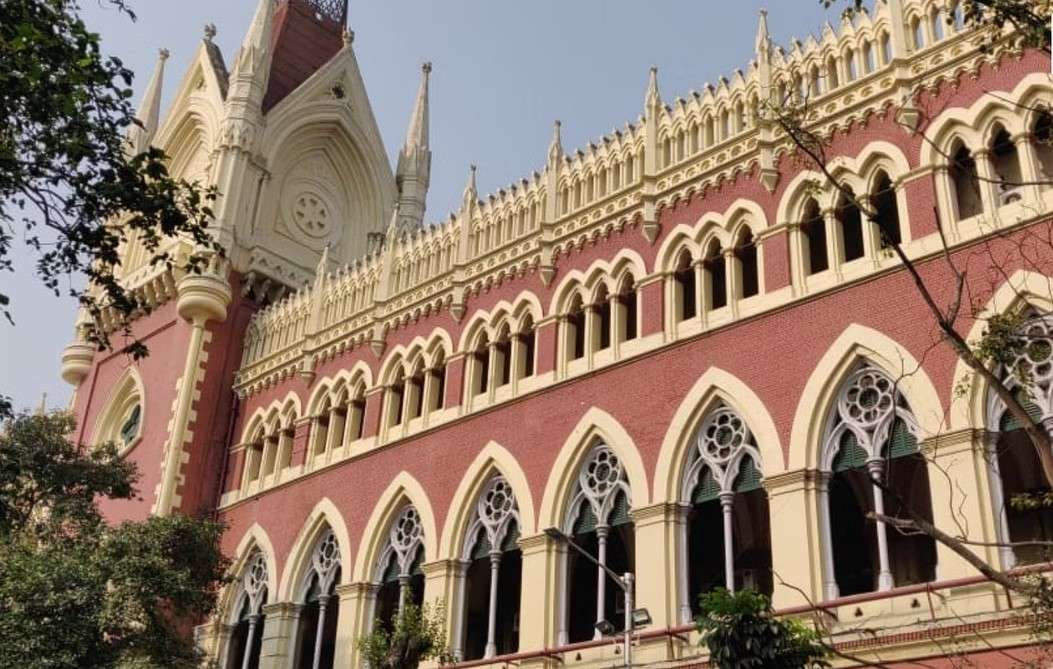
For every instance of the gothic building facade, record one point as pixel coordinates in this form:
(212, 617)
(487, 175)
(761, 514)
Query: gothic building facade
(682, 345)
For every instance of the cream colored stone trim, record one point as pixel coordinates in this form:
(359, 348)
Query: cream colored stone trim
(402, 490)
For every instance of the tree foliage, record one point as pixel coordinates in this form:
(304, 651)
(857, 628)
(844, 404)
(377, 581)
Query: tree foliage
(70, 187)
(741, 631)
(416, 635)
(76, 592)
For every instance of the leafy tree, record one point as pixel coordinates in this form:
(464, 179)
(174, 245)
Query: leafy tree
(76, 592)
(70, 186)
(417, 635)
(741, 631)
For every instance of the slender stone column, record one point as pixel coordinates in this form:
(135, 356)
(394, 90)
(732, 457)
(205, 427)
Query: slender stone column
(885, 582)
(491, 624)
(727, 506)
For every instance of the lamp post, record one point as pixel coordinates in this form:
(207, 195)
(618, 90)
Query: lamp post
(624, 581)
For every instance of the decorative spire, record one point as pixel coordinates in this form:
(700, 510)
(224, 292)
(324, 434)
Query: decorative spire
(210, 32)
(471, 195)
(653, 99)
(417, 134)
(253, 55)
(414, 169)
(763, 43)
(323, 265)
(149, 114)
(555, 147)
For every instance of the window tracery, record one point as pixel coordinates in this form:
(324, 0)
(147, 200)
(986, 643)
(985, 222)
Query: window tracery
(247, 636)
(398, 572)
(318, 618)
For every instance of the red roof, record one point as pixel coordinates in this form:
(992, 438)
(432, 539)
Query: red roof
(304, 40)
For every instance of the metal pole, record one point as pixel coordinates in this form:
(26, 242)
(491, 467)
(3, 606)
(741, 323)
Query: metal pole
(627, 651)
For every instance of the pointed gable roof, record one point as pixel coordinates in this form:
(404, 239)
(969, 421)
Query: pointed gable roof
(307, 34)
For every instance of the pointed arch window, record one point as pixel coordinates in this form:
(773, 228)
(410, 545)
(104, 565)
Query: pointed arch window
(525, 352)
(727, 534)
(316, 626)
(243, 651)
(1013, 463)
(121, 423)
(813, 228)
(714, 277)
(1005, 162)
(684, 287)
(1042, 140)
(851, 221)
(398, 574)
(575, 330)
(598, 519)
(966, 182)
(493, 575)
(481, 365)
(886, 210)
(746, 264)
(871, 436)
(602, 318)
(628, 303)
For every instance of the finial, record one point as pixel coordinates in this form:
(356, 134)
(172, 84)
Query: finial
(469, 188)
(163, 54)
(210, 31)
(653, 100)
(323, 262)
(426, 67)
(555, 147)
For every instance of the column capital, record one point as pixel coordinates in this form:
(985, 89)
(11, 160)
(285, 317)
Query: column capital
(953, 442)
(791, 481)
(281, 609)
(655, 513)
(359, 589)
(537, 543)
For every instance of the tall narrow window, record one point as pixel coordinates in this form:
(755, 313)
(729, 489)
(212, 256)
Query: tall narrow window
(481, 365)
(316, 627)
(599, 520)
(886, 211)
(851, 222)
(356, 414)
(966, 183)
(576, 329)
(833, 81)
(918, 31)
(851, 71)
(320, 431)
(886, 49)
(1042, 140)
(813, 228)
(527, 342)
(503, 358)
(398, 571)
(746, 257)
(437, 399)
(714, 272)
(869, 58)
(872, 436)
(628, 298)
(686, 295)
(415, 390)
(246, 639)
(1006, 166)
(1013, 460)
(603, 319)
(937, 26)
(727, 533)
(494, 575)
(396, 395)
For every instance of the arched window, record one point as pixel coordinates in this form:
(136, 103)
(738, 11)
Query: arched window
(725, 125)
(398, 574)
(602, 319)
(831, 73)
(746, 264)
(316, 626)
(243, 651)
(435, 386)
(815, 88)
(966, 182)
(918, 31)
(481, 365)
(851, 69)
(714, 277)
(121, 422)
(851, 221)
(727, 533)
(1006, 166)
(527, 338)
(869, 57)
(490, 622)
(415, 392)
(871, 436)
(886, 210)
(710, 139)
(958, 17)
(628, 303)
(684, 287)
(396, 394)
(598, 520)
(503, 357)
(1042, 140)
(886, 48)
(574, 338)
(320, 427)
(1014, 464)
(813, 229)
(937, 25)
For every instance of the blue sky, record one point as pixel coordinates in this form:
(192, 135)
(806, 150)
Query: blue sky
(503, 71)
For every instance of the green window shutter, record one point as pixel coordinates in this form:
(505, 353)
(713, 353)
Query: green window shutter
(391, 574)
(850, 455)
(482, 545)
(707, 489)
(749, 477)
(901, 442)
(511, 542)
(1009, 423)
(586, 521)
(620, 512)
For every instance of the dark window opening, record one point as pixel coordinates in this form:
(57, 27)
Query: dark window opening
(716, 273)
(966, 184)
(504, 355)
(851, 229)
(477, 599)
(439, 382)
(1021, 473)
(746, 253)
(685, 285)
(395, 395)
(1006, 165)
(576, 323)
(1042, 139)
(886, 212)
(416, 388)
(482, 366)
(239, 642)
(814, 228)
(603, 313)
(582, 574)
(629, 301)
(528, 339)
(308, 630)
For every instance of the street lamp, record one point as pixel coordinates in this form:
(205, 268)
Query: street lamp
(634, 618)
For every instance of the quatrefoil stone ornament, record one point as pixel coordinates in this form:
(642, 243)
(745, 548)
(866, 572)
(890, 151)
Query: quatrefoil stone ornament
(601, 473)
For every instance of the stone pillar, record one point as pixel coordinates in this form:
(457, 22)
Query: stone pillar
(961, 496)
(279, 635)
(796, 551)
(540, 593)
(355, 621)
(440, 586)
(657, 568)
